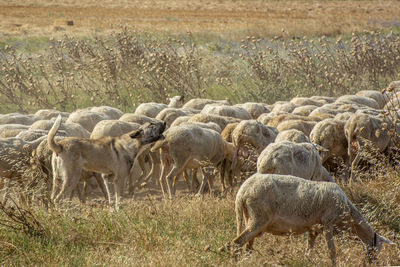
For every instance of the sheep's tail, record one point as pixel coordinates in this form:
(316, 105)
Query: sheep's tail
(56, 148)
(158, 145)
(239, 209)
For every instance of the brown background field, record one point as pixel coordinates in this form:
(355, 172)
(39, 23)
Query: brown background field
(236, 18)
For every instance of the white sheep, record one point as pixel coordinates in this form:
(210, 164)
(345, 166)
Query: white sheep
(112, 113)
(286, 205)
(16, 118)
(292, 135)
(199, 103)
(88, 119)
(289, 158)
(228, 111)
(190, 147)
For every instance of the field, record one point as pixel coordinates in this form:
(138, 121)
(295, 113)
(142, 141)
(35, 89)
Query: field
(74, 54)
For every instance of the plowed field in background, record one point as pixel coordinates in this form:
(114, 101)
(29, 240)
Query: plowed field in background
(208, 16)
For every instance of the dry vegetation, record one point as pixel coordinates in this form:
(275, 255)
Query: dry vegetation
(97, 62)
(229, 18)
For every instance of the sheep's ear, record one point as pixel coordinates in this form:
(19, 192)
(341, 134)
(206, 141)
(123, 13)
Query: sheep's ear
(136, 134)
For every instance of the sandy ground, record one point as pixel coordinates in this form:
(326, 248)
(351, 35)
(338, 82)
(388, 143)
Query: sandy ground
(221, 17)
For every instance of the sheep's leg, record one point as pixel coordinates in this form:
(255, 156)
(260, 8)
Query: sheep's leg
(206, 177)
(312, 235)
(195, 181)
(155, 167)
(186, 177)
(331, 244)
(252, 230)
(354, 165)
(176, 169)
(222, 174)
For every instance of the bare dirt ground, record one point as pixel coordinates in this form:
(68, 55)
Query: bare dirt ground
(236, 18)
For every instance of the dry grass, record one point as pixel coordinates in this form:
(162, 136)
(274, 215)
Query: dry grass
(234, 19)
(150, 231)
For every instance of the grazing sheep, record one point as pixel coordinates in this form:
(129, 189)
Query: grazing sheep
(199, 103)
(343, 116)
(301, 125)
(181, 120)
(190, 147)
(265, 118)
(286, 117)
(112, 128)
(329, 134)
(324, 99)
(136, 118)
(222, 121)
(250, 132)
(298, 159)
(48, 114)
(304, 110)
(305, 101)
(292, 135)
(176, 101)
(72, 129)
(112, 113)
(326, 111)
(169, 115)
(228, 111)
(283, 106)
(254, 109)
(361, 127)
(88, 119)
(11, 130)
(150, 109)
(355, 99)
(16, 118)
(32, 135)
(286, 205)
(377, 96)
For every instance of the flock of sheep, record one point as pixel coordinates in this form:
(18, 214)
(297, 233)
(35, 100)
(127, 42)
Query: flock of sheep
(291, 189)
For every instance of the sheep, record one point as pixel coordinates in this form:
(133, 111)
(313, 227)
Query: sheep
(283, 106)
(150, 109)
(329, 134)
(305, 101)
(222, 121)
(361, 100)
(169, 115)
(229, 111)
(88, 119)
(112, 113)
(286, 205)
(325, 112)
(136, 118)
(199, 103)
(205, 125)
(16, 118)
(181, 120)
(292, 135)
(304, 110)
(377, 96)
(289, 158)
(11, 130)
(112, 128)
(362, 127)
(226, 170)
(265, 118)
(176, 101)
(72, 129)
(254, 109)
(343, 116)
(48, 114)
(301, 125)
(324, 99)
(32, 135)
(286, 117)
(188, 146)
(253, 133)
